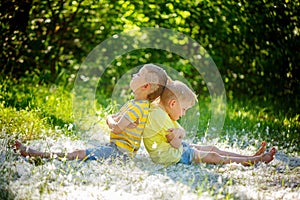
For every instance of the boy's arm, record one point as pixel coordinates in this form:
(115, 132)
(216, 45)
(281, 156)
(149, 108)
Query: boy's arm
(118, 124)
(111, 121)
(175, 137)
(128, 118)
(126, 123)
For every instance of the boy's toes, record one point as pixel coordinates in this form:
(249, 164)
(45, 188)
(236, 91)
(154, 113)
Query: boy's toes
(17, 144)
(273, 151)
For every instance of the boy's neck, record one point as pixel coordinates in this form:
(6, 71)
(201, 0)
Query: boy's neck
(161, 105)
(140, 97)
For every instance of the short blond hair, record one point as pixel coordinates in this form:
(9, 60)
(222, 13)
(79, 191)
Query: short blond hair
(158, 78)
(179, 91)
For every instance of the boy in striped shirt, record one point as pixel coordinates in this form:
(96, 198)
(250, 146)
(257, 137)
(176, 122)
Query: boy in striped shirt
(126, 126)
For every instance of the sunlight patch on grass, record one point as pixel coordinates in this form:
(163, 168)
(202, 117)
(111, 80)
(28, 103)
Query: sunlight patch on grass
(41, 116)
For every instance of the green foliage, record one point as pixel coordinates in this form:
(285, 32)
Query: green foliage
(31, 110)
(258, 121)
(248, 122)
(255, 45)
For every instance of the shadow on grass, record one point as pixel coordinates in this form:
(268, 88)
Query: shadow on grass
(290, 161)
(5, 191)
(198, 179)
(141, 176)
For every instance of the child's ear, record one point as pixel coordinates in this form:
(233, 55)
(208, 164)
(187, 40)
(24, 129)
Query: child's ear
(172, 103)
(147, 86)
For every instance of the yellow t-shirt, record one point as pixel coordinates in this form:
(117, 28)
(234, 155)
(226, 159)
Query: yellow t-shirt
(130, 139)
(155, 140)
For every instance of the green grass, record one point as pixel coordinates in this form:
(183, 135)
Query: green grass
(257, 120)
(31, 110)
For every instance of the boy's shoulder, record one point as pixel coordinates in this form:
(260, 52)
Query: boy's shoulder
(141, 101)
(159, 118)
(137, 103)
(157, 111)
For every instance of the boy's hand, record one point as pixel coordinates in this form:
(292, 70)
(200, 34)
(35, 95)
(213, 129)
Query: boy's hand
(118, 123)
(110, 121)
(178, 132)
(134, 125)
(112, 124)
(175, 137)
(170, 136)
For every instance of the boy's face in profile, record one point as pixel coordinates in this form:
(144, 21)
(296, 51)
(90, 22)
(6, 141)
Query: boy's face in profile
(138, 80)
(177, 109)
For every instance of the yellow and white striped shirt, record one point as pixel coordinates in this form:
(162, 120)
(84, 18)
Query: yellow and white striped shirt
(129, 140)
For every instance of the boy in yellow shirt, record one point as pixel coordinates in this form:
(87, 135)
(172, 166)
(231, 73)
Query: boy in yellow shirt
(163, 135)
(126, 126)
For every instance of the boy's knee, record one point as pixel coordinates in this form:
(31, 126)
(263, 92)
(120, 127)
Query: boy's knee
(215, 149)
(207, 156)
(212, 149)
(212, 157)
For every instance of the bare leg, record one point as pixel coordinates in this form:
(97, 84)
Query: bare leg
(215, 158)
(26, 151)
(214, 149)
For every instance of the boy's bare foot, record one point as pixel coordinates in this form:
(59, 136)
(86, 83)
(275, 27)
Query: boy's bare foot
(268, 157)
(262, 149)
(19, 146)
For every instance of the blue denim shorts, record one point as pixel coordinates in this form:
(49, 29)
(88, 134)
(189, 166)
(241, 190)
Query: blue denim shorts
(187, 154)
(109, 150)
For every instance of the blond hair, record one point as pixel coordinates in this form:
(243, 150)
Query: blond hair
(179, 91)
(158, 78)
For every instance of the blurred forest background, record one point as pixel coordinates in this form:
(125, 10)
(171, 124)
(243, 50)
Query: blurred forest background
(255, 44)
